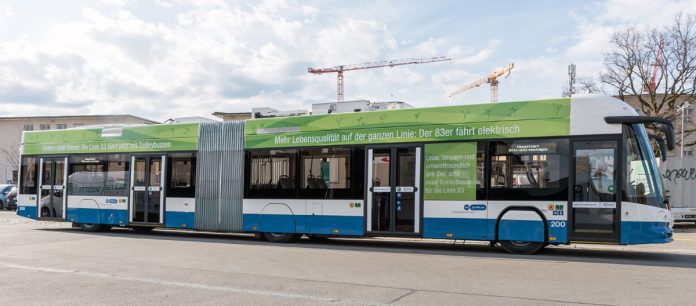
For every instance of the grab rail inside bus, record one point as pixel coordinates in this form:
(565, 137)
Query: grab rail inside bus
(662, 124)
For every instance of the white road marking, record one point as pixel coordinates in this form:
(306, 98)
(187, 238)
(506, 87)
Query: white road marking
(189, 285)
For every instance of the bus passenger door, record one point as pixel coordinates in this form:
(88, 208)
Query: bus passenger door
(147, 194)
(393, 191)
(53, 175)
(594, 204)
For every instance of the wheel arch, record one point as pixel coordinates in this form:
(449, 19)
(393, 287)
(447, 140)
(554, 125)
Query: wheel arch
(522, 208)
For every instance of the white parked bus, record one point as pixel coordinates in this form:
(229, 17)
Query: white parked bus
(521, 174)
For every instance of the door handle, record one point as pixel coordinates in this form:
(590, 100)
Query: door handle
(372, 189)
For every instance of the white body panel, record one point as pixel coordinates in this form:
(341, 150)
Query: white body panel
(303, 207)
(101, 202)
(587, 114)
(644, 213)
(181, 204)
(456, 209)
(26, 200)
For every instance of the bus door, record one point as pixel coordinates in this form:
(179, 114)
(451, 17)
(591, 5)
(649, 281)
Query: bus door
(393, 191)
(594, 213)
(146, 192)
(53, 175)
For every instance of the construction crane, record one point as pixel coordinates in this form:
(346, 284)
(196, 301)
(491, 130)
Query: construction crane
(652, 86)
(492, 79)
(390, 63)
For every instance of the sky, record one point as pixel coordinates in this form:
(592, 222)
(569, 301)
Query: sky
(164, 59)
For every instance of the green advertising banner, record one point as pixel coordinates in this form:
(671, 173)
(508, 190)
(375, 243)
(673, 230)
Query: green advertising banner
(450, 171)
(146, 138)
(461, 122)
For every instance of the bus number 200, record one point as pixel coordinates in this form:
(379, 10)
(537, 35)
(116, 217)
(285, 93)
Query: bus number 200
(558, 224)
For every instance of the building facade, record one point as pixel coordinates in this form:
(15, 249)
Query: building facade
(11, 129)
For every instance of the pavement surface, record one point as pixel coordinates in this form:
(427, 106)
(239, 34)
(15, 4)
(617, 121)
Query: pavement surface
(51, 263)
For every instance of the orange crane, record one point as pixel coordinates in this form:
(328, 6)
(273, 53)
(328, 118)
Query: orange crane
(389, 63)
(652, 86)
(492, 79)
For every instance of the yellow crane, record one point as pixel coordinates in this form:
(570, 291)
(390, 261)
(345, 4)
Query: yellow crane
(491, 78)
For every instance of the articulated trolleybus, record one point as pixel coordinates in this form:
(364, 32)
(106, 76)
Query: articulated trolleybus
(519, 174)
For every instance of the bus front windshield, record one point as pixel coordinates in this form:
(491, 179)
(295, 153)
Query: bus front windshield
(641, 182)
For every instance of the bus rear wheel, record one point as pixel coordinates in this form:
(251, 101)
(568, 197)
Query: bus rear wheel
(93, 228)
(280, 237)
(522, 247)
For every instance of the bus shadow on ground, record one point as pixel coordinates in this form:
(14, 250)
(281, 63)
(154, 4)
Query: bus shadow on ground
(422, 247)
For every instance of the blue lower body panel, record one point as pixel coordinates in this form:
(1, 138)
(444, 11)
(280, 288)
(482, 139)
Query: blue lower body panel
(633, 232)
(521, 230)
(98, 216)
(178, 219)
(484, 229)
(302, 224)
(27, 212)
(457, 228)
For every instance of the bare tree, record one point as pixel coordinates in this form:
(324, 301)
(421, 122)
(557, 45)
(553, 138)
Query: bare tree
(630, 68)
(11, 153)
(582, 85)
(12, 157)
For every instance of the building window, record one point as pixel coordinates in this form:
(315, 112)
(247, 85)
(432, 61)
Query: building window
(44, 127)
(61, 126)
(689, 115)
(78, 124)
(688, 152)
(28, 127)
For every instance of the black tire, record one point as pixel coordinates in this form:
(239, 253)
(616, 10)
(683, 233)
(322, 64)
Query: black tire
(522, 247)
(280, 237)
(93, 228)
(45, 212)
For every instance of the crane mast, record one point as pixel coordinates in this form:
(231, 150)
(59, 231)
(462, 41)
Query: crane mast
(388, 63)
(652, 86)
(491, 79)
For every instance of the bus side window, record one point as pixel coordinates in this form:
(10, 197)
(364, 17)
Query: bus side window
(182, 175)
(325, 173)
(28, 179)
(481, 171)
(99, 175)
(271, 174)
(529, 169)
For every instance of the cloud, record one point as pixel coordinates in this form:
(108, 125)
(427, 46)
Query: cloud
(170, 58)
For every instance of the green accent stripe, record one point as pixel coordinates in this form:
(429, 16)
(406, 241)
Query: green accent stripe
(144, 138)
(492, 120)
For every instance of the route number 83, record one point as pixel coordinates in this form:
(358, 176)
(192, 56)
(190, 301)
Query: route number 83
(558, 223)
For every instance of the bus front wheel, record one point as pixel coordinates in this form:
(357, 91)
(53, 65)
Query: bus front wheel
(522, 247)
(280, 237)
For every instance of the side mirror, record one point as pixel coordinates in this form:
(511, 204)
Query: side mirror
(661, 144)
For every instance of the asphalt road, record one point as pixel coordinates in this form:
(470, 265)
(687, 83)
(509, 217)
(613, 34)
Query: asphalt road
(51, 263)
